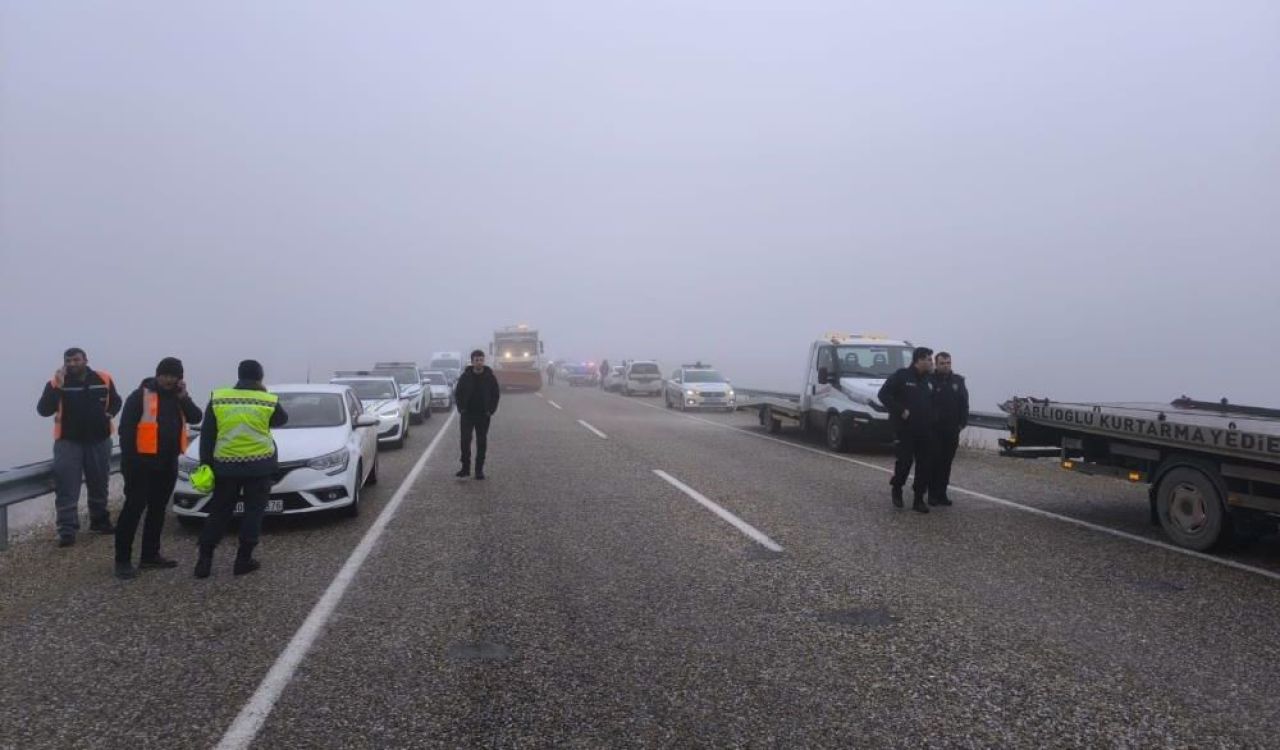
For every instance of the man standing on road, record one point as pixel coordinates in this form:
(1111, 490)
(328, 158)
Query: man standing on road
(82, 402)
(153, 434)
(235, 441)
(603, 371)
(551, 374)
(476, 396)
(951, 404)
(908, 395)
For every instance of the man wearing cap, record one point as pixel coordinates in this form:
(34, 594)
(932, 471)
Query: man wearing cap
(235, 441)
(153, 434)
(82, 402)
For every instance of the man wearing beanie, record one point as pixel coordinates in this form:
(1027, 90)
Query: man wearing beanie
(235, 441)
(153, 434)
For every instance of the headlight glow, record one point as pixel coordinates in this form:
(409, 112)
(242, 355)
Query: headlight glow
(690, 393)
(331, 463)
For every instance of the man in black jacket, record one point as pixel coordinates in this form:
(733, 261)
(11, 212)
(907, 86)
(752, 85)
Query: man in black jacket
(153, 434)
(951, 401)
(908, 395)
(476, 396)
(82, 402)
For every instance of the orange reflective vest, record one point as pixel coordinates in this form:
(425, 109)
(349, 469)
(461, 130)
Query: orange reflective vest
(106, 403)
(149, 428)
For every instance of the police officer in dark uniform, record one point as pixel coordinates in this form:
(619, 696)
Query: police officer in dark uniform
(951, 403)
(908, 395)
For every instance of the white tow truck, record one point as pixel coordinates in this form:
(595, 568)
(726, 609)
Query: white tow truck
(842, 377)
(1213, 467)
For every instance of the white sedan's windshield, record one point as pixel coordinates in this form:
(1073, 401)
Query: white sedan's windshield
(312, 410)
(703, 376)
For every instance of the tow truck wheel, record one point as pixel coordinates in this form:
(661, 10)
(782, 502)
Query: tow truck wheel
(836, 438)
(771, 425)
(1191, 510)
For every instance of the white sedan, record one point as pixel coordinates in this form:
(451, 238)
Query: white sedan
(379, 395)
(327, 452)
(441, 393)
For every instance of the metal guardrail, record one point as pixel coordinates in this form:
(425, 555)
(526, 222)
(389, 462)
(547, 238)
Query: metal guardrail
(986, 420)
(28, 482)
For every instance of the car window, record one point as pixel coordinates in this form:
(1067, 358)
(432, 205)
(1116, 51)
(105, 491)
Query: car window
(353, 407)
(312, 410)
(645, 368)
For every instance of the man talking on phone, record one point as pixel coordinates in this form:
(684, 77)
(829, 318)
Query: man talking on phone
(153, 434)
(82, 402)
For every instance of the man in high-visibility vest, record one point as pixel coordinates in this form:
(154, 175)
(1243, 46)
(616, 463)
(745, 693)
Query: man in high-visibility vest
(153, 434)
(235, 440)
(82, 402)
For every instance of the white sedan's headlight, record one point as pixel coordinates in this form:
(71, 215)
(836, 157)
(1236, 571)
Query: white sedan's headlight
(186, 465)
(730, 394)
(390, 411)
(690, 393)
(331, 463)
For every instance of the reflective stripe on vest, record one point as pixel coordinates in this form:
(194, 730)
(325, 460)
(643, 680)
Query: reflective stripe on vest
(149, 428)
(105, 377)
(244, 424)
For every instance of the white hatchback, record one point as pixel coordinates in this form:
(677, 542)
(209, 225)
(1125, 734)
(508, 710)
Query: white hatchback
(327, 452)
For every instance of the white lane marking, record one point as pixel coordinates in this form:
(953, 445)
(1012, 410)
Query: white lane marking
(1274, 575)
(558, 406)
(733, 520)
(598, 433)
(249, 721)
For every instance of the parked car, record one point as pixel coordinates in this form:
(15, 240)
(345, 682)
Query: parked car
(642, 377)
(437, 382)
(410, 382)
(698, 386)
(380, 396)
(327, 452)
(613, 379)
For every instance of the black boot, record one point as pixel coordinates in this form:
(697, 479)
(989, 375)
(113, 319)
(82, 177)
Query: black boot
(157, 561)
(102, 525)
(244, 560)
(942, 500)
(464, 472)
(918, 504)
(897, 497)
(479, 472)
(204, 563)
(125, 571)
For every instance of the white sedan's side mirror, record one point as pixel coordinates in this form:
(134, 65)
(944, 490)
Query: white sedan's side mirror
(366, 420)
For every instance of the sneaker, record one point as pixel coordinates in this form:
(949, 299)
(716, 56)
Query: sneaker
(463, 473)
(66, 540)
(897, 497)
(244, 567)
(157, 562)
(125, 571)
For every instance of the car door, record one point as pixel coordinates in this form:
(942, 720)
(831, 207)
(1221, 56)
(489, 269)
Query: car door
(676, 383)
(366, 438)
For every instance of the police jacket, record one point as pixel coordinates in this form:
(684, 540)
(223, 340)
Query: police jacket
(171, 412)
(247, 469)
(477, 394)
(908, 391)
(951, 402)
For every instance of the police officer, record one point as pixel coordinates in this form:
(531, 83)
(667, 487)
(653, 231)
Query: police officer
(951, 402)
(235, 441)
(908, 395)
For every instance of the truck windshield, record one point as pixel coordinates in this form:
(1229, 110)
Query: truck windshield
(510, 348)
(869, 361)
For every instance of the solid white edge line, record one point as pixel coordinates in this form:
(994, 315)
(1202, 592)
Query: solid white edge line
(710, 505)
(598, 433)
(1274, 575)
(558, 406)
(249, 721)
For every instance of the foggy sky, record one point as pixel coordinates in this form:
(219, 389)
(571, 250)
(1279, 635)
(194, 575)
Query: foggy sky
(1077, 199)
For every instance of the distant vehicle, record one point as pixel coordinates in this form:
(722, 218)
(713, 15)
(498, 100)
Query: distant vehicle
(579, 374)
(612, 381)
(517, 358)
(698, 386)
(1213, 467)
(642, 377)
(843, 375)
(380, 396)
(411, 389)
(441, 390)
(328, 451)
(450, 363)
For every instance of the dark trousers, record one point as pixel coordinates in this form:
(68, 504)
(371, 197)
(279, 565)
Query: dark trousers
(479, 424)
(944, 446)
(917, 448)
(147, 489)
(228, 491)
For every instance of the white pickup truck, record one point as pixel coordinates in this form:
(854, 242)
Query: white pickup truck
(843, 374)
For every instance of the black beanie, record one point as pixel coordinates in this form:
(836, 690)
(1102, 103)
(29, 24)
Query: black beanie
(170, 366)
(251, 369)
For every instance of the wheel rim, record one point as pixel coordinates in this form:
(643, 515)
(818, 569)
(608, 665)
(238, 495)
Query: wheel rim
(1187, 509)
(833, 432)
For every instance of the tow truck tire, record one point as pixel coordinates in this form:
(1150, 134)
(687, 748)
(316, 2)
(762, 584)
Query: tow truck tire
(837, 440)
(1191, 510)
(771, 425)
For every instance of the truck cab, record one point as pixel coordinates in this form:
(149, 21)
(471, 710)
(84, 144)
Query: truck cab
(842, 380)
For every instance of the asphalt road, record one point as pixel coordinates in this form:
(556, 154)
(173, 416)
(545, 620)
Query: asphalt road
(588, 595)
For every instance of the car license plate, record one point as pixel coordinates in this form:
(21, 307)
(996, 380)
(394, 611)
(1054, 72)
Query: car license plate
(273, 506)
